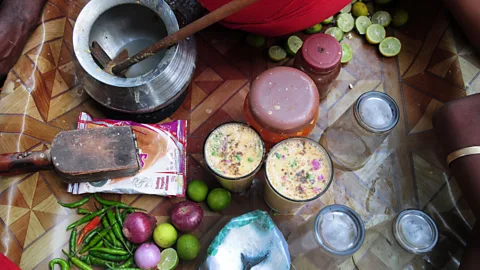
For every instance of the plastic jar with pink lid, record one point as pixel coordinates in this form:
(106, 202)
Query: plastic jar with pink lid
(282, 103)
(320, 58)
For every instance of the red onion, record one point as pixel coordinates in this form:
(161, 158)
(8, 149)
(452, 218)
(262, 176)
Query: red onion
(147, 256)
(138, 227)
(186, 216)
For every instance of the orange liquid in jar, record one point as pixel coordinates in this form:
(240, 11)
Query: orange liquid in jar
(270, 137)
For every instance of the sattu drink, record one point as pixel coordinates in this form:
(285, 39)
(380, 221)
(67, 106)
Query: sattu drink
(234, 153)
(298, 171)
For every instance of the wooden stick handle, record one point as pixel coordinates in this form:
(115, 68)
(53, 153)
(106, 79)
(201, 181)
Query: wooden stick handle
(198, 25)
(26, 162)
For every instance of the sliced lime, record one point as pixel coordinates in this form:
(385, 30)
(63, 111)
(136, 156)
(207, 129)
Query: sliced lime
(382, 17)
(354, 1)
(390, 47)
(255, 41)
(362, 23)
(345, 22)
(168, 259)
(375, 33)
(314, 29)
(400, 17)
(328, 20)
(346, 9)
(346, 53)
(294, 44)
(335, 32)
(277, 53)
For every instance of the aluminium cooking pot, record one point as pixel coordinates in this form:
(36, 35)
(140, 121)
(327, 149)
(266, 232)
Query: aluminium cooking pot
(116, 25)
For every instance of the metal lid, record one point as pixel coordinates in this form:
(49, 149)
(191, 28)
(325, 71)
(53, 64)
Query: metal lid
(321, 52)
(415, 231)
(284, 99)
(339, 230)
(376, 111)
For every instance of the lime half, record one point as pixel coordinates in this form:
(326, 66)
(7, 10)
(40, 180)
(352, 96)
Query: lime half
(294, 44)
(328, 20)
(313, 29)
(362, 23)
(255, 41)
(375, 33)
(382, 17)
(168, 259)
(346, 53)
(346, 9)
(390, 47)
(277, 53)
(335, 32)
(345, 22)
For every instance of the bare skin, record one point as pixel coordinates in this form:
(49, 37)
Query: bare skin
(17, 20)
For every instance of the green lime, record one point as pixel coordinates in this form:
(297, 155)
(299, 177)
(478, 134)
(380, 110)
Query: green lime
(188, 247)
(219, 199)
(329, 20)
(400, 18)
(335, 32)
(165, 235)
(390, 47)
(375, 33)
(382, 17)
(347, 53)
(197, 190)
(314, 29)
(359, 9)
(345, 22)
(255, 41)
(346, 9)
(277, 53)
(354, 1)
(362, 23)
(294, 44)
(168, 259)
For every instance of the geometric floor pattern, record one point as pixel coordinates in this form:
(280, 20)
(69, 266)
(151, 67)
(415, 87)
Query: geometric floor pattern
(42, 97)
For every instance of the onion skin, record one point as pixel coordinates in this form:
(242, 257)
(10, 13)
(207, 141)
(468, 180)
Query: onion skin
(186, 216)
(138, 227)
(147, 256)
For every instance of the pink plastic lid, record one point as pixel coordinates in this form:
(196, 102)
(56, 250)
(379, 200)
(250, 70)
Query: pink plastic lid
(284, 99)
(321, 52)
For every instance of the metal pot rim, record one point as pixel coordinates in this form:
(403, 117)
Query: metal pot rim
(81, 35)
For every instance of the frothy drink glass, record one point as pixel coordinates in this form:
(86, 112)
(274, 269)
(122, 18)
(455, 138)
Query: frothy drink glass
(234, 153)
(298, 171)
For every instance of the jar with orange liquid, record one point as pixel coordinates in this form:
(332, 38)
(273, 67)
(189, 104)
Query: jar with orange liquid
(282, 103)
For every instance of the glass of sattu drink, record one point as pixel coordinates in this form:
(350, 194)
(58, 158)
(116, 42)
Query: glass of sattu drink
(298, 171)
(234, 153)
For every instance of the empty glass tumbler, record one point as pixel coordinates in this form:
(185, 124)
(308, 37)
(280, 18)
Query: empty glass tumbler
(326, 240)
(355, 136)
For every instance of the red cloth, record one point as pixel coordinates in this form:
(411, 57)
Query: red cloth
(278, 17)
(6, 264)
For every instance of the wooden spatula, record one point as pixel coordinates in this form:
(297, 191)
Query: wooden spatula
(116, 67)
(81, 155)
